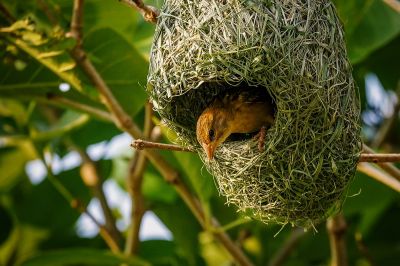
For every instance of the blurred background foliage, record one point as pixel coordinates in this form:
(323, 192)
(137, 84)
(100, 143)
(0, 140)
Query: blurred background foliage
(51, 112)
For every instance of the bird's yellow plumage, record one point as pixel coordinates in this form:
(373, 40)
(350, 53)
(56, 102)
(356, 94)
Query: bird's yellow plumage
(241, 111)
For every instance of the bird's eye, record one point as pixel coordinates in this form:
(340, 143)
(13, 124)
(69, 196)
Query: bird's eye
(211, 134)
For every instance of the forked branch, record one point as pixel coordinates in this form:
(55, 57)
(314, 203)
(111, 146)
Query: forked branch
(149, 13)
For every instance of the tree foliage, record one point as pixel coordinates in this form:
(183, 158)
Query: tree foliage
(50, 108)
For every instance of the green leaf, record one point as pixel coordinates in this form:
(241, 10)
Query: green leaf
(155, 188)
(70, 121)
(194, 170)
(120, 65)
(33, 205)
(120, 18)
(183, 226)
(384, 63)
(12, 164)
(82, 256)
(360, 203)
(13, 108)
(161, 252)
(36, 82)
(368, 26)
(93, 132)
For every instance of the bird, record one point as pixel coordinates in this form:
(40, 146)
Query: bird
(240, 110)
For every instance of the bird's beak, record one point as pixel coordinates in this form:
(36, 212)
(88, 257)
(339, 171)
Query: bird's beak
(209, 149)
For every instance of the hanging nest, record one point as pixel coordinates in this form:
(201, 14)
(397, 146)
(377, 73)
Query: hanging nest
(296, 51)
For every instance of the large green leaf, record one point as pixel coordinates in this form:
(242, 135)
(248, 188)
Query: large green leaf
(121, 66)
(33, 205)
(193, 169)
(368, 25)
(183, 226)
(82, 256)
(360, 203)
(34, 81)
(156, 189)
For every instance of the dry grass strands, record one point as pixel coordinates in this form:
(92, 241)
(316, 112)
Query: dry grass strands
(293, 49)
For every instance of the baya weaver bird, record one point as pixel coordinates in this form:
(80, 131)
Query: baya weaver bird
(244, 110)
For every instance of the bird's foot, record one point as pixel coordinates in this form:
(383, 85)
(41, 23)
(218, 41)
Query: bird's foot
(260, 136)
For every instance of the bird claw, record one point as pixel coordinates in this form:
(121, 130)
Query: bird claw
(260, 136)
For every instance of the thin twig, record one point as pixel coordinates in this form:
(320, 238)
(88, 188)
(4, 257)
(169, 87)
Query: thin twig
(104, 233)
(135, 179)
(379, 175)
(287, 247)
(363, 248)
(77, 205)
(337, 232)
(380, 158)
(140, 144)
(94, 181)
(149, 13)
(56, 99)
(389, 168)
(394, 4)
(125, 123)
(76, 23)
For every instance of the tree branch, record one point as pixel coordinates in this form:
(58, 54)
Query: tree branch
(287, 247)
(379, 175)
(140, 144)
(394, 4)
(135, 180)
(56, 99)
(124, 122)
(363, 248)
(387, 167)
(337, 231)
(149, 13)
(380, 158)
(93, 180)
(76, 23)
(77, 205)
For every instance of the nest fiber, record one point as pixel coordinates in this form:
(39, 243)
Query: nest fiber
(296, 51)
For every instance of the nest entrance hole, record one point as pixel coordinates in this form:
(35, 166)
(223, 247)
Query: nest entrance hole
(189, 106)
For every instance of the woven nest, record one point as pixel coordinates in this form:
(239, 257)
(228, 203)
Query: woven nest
(296, 51)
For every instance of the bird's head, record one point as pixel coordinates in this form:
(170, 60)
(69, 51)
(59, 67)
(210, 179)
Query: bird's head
(212, 129)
